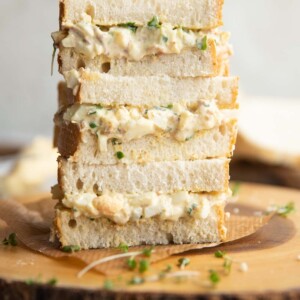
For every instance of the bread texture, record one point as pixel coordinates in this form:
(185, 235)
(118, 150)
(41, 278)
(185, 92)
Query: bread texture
(83, 146)
(190, 62)
(95, 88)
(198, 14)
(166, 177)
(101, 233)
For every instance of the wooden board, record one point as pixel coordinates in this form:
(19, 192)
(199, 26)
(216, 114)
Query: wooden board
(271, 255)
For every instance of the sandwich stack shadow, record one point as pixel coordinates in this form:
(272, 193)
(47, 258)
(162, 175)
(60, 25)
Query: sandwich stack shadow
(145, 127)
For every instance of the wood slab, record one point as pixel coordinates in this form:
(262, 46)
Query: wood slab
(271, 254)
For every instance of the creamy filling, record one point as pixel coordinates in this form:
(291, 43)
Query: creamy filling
(128, 123)
(122, 208)
(132, 42)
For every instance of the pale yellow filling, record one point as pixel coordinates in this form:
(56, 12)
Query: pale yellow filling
(122, 208)
(129, 123)
(123, 42)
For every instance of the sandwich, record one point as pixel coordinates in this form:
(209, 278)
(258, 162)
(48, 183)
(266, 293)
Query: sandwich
(146, 123)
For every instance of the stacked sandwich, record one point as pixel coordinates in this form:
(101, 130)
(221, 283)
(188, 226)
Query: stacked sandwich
(145, 126)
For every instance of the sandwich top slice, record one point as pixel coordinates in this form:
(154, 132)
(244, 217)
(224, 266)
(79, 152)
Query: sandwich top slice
(199, 14)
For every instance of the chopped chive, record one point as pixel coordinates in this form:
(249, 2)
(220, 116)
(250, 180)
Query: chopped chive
(99, 106)
(92, 113)
(108, 285)
(165, 38)
(53, 281)
(144, 265)
(183, 262)
(93, 125)
(130, 25)
(148, 251)
(123, 247)
(154, 23)
(120, 155)
(236, 188)
(203, 44)
(71, 248)
(192, 208)
(214, 277)
(227, 265)
(131, 263)
(220, 254)
(11, 240)
(284, 211)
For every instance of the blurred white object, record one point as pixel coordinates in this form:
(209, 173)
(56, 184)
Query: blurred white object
(269, 130)
(33, 170)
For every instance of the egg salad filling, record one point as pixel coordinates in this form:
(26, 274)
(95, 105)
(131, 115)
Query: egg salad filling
(122, 208)
(125, 123)
(135, 42)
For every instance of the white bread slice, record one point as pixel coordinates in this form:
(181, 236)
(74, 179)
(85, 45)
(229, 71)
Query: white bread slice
(94, 88)
(189, 63)
(101, 233)
(274, 137)
(165, 177)
(199, 14)
(83, 146)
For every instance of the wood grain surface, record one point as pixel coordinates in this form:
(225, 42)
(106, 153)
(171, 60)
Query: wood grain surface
(271, 254)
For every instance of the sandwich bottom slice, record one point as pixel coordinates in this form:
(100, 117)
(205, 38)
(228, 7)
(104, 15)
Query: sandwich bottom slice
(179, 218)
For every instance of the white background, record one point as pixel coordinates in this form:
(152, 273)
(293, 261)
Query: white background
(265, 35)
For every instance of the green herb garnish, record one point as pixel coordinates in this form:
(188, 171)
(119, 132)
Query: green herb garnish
(120, 155)
(183, 262)
(92, 113)
(99, 106)
(165, 38)
(131, 263)
(236, 188)
(108, 285)
(154, 23)
(130, 25)
(203, 44)
(148, 251)
(123, 247)
(144, 265)
(284, 211)
(214, 277)
(93, 125)
(136, 280)
(227, 265)
(71, 248)
(53, 281)
(191, 209)
(220, 254)
(11, 240)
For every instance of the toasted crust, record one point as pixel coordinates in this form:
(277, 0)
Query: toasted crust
(83, 146)
(101, 233)
(197, 14)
